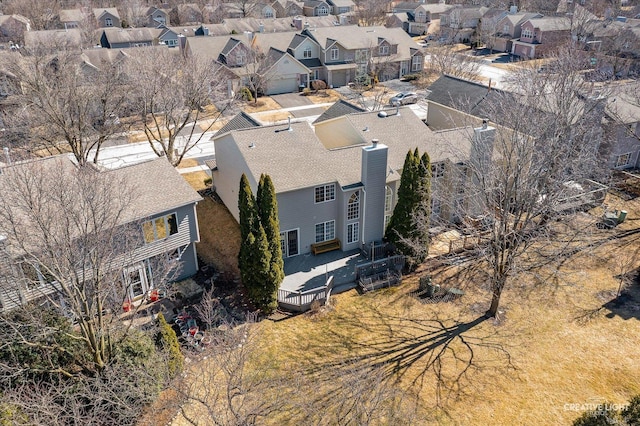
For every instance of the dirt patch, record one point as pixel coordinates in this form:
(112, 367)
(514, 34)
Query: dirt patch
(264, 103)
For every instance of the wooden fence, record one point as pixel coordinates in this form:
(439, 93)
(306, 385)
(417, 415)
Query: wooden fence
(392, 263)
(300, 301)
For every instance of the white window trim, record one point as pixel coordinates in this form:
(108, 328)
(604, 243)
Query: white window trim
(108, 22)
(166, 224)
(355, 235)
(356, 206)
(337, 53)
(327, 190)
(383, 49)
(326, 235)
(619, 164)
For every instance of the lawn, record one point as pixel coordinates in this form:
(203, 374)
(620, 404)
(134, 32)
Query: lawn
(562, 341)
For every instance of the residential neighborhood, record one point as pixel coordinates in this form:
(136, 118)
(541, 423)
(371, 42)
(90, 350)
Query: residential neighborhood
(418, 212)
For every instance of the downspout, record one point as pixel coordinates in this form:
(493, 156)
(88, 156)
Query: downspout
(364, 212)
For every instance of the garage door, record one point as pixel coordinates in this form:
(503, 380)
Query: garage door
(282, 85)
(339, 78)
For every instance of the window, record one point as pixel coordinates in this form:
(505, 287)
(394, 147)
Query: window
(387, 219)
(335, 53)
(241, 58)
(527, 33)
(172, 42)
(623, 160)
(108, 22)
(325, 231)
(388, 199)
(353, 231)
(316, 75)
(437, 170)
(322, 10)
(307, 53)
(325, 193)
(160, 228)
(353, 207)
(506, 29)
(416, 63)
(384, 49)
(268, 13)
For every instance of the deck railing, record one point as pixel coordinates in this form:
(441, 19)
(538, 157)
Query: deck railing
(300, 301)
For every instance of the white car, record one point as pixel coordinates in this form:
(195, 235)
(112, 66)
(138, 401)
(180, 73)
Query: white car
(403, 98)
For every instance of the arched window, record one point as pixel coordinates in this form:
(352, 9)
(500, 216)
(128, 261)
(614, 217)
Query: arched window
(353, 207)
(388, 199)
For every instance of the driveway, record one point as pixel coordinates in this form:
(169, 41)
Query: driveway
(289, 100)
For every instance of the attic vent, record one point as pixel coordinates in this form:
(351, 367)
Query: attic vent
(382, 114)
(366, 129)
(252, 145)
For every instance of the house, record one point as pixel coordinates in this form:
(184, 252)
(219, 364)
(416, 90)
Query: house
(349, 54)
(340, 7)
(71, 18)
(316, 8)
(187, 13)
(622, 127)
(416, 17)
(154, 17)
(459, 24)
(162, 210)
(107, 17)
(285, 8)
(339, 180)
(53, 40)
(130, 37)
(507, 29)
(13, 27)
(540, 35)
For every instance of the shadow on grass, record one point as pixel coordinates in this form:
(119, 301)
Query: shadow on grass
(444, 352)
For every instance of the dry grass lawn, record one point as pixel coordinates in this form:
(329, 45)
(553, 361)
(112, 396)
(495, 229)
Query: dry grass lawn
(560, 342)
(196, 179)
(264, 103)
(325, 96)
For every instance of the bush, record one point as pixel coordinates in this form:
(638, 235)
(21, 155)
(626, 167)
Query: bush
(306, 91)
(318, 85)
(410, 77)
(631, 414)
(166, 339)
(245, 94)
(208, 181)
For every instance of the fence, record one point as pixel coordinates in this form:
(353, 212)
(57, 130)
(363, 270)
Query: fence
(375, 251)
(300, 301)
(392, 263)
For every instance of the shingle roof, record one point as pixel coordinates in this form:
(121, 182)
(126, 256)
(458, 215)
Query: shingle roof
(298, 159)
(240, 121)
(460, 94)
(555, 23)
(132, 35)
(338, 109)
(71, 15)
(98, 12)
(68, 38)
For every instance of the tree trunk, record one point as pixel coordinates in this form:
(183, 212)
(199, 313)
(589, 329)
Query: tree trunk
(495, 303)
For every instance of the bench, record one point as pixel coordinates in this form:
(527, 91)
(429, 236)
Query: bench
(325, 246)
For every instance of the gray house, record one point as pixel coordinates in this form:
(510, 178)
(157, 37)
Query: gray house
(130, 37)
(164, 211)
(339, 180)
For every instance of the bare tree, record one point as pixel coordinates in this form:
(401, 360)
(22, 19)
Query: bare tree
(371, 12)
(172, 100)
(41, 14)
(528, 173)
(69, 106)
(69, 238)
(444, 59)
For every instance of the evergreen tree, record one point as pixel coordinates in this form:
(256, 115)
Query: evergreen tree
(408, 227)
(268, 214)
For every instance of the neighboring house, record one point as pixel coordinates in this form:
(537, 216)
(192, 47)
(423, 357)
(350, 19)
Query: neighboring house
(508, 29)
(107, 18)
(71, 18)
(164, 210)
(622, 127)
(340, 180)
(13, 27)
(285, 8)
(316, 8)
(340, 7)
(540, 35)
(188, 13)
(53, 39)
(350, 54)
(156, 17)
(238, 26)
(130, 37)
(416, 17)
(459, 24)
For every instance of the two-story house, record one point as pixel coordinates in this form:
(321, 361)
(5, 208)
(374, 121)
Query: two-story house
(415, 17)
(101, 17)
(339, 180)
(341, 7)
(107, 17)
(508, 29)
(162, 212)
(459, 24)
(622, 128)
(316, 8)
(350, 54)
(540, 35)
(154, 17)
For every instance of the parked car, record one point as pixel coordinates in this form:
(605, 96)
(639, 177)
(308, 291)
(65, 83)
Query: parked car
(403, 98)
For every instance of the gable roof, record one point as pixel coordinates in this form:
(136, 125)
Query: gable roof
(461, 94)
(241, 121)
(338, 109)
(71, 15)
(67, 38)
(553, 23)
(131, 35)
(98, 12)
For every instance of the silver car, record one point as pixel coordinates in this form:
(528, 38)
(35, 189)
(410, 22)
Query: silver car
(403, 98)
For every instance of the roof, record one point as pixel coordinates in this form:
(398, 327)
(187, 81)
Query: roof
(68, 38)
(267, 149)
(338, 109)
(208, 48)
(556, 23)
(157, 186)
(14, 17)
(622, 105)
(516, 18)
(71, 15)
(240, 121)
(131, 35)
(460, 94)
(98, 12)
(342, 3)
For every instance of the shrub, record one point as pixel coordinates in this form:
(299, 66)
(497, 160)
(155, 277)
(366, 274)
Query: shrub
(306, 91)
(410, 77)
(245, 94)
(208, 181)
(166, 339)
(318, 85)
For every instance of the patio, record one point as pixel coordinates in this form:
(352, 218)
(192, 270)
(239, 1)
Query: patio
(306, 271)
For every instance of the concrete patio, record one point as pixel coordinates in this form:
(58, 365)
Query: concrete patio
(306, 271)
